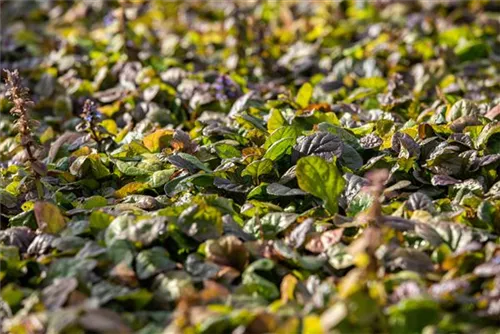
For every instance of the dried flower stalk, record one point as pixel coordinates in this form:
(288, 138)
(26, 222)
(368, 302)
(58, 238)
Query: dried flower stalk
(372, 237)
(20, 97)
(376, 188)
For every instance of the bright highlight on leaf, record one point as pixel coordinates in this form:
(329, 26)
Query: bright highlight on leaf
(304, 95)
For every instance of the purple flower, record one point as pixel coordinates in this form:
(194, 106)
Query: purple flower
(225, 88)
(108, 19)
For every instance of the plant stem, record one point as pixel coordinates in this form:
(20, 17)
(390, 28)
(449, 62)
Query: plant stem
(39, 188)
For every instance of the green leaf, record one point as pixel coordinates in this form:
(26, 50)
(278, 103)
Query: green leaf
(71, 267)
(359, 203)
(128, 168)
(345, 135)
(377, 83)
(472, 50)
(120, 251)
(188, 161)
(97, 168)
(487, 212)
(116, 227)
(216, 324)
(321, 179)
(351, 158)
(275, 120)
(152, 261)
(201, 222)
(281, 133)
(359, 94)
(255, 283)
(304, 95)
(160, 178)
(139, 298)
(94, 202)
(226, 151)
(11, 294)
(99, 220)
(489, 130)
(279, 148)
(258, 168)
(26, 218)
(412, 315)
(461, 108)
(270, 225)
(131, 188)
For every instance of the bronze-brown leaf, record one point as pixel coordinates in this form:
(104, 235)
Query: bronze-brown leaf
(228, 251)
(321, 242)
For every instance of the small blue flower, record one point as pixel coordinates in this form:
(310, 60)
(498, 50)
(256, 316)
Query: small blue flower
(225, 88)
(108, 19)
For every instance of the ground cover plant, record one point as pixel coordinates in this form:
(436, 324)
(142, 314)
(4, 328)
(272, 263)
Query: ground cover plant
(250, 167)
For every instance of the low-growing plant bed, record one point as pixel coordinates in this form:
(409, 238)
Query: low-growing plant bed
(250, 167)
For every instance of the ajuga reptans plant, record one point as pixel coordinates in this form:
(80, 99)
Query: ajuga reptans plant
(90, 123)
(20, 97)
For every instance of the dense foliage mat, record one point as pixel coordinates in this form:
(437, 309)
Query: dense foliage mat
(326, 167)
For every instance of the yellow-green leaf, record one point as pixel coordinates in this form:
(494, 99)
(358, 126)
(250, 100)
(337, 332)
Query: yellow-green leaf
(130, 188)
(304, 95)
(312, 325)
(153, 141)
(49, 217)
(110, 126)
(276, 120)
(321, 179)
(110, 109)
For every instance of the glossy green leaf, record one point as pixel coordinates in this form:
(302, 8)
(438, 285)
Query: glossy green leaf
(321, 179)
